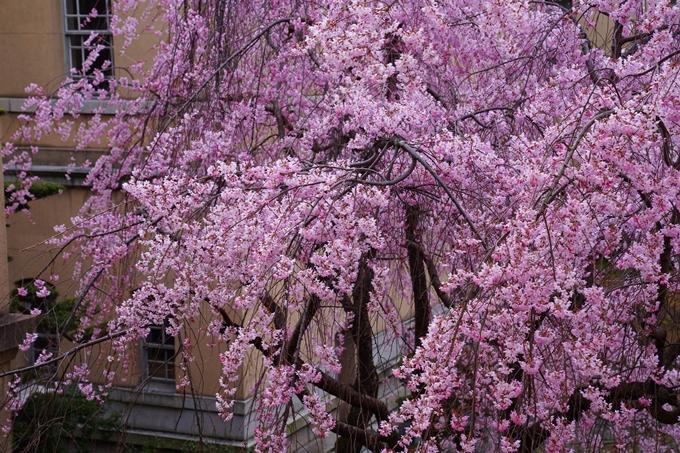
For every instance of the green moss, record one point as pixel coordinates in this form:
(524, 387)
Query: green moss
(44, 189)
(39, 189)
(54, 313)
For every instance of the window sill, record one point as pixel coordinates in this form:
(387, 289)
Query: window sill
(159, 387)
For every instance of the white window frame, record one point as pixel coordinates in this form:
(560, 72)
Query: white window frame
(75, 35)
(166, 365)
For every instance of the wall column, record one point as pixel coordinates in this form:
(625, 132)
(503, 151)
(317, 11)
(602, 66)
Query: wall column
(13, 327)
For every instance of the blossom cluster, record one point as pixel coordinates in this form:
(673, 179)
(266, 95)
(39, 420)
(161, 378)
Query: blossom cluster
(476, 181)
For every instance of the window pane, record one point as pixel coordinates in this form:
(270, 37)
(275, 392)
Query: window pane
(95, 23)
(160, 353)
(71, 7)
(86, 6)
(156, 370)
(76, 58)
(155, 335)
(155, 353)
(72, 23)
(79, 24)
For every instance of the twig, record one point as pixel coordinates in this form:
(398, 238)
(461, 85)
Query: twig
(434, 174)
(70, 352)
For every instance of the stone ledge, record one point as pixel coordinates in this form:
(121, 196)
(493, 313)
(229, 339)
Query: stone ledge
(16, 105)
(53, 173)
(168, 441)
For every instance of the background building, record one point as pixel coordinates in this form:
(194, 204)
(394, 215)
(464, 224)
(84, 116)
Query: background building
(40, 42)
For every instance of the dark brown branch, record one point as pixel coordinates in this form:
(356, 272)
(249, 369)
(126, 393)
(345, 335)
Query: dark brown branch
(272, 307)
(550, 194)
(363, 437)
(367, 381)
(360, 436)
(67, 354)
(630, 392)
(367, 439)
(351, 396)
(473, 115)
(94, 279)
(435, 281)
(293, 343)
(409, 149)
(363, 332)
(662, 415)
(436, 96)
(327, 383)
(421, 302)
(656, 65)
(670, 354)
(437, 284)
(667, 146)
(530, 437)
(617, 41)
(282, 122)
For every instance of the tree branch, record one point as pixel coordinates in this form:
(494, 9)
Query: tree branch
(70, 352)
(434, 174)
(550, 194)
(421, 302)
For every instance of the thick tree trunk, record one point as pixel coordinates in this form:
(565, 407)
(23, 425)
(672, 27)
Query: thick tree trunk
(421, 302)
(366, 382)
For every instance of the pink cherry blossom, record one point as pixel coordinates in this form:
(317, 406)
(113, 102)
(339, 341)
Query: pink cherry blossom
(458, 220)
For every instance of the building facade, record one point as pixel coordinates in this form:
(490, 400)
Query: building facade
(43, 42)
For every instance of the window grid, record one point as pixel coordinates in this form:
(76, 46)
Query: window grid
(160, 354)
(78, 28)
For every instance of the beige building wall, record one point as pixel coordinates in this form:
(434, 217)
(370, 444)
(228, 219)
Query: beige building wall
(28, 233)
(32, 50)
(31, 45)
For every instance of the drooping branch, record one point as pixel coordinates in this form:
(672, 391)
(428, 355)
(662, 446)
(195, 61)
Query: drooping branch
(293, 344)
(445, 187)
(238, 53)
(531, 437)
(95, 277)
(550, 193)
(67, 354)
(327, 383)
